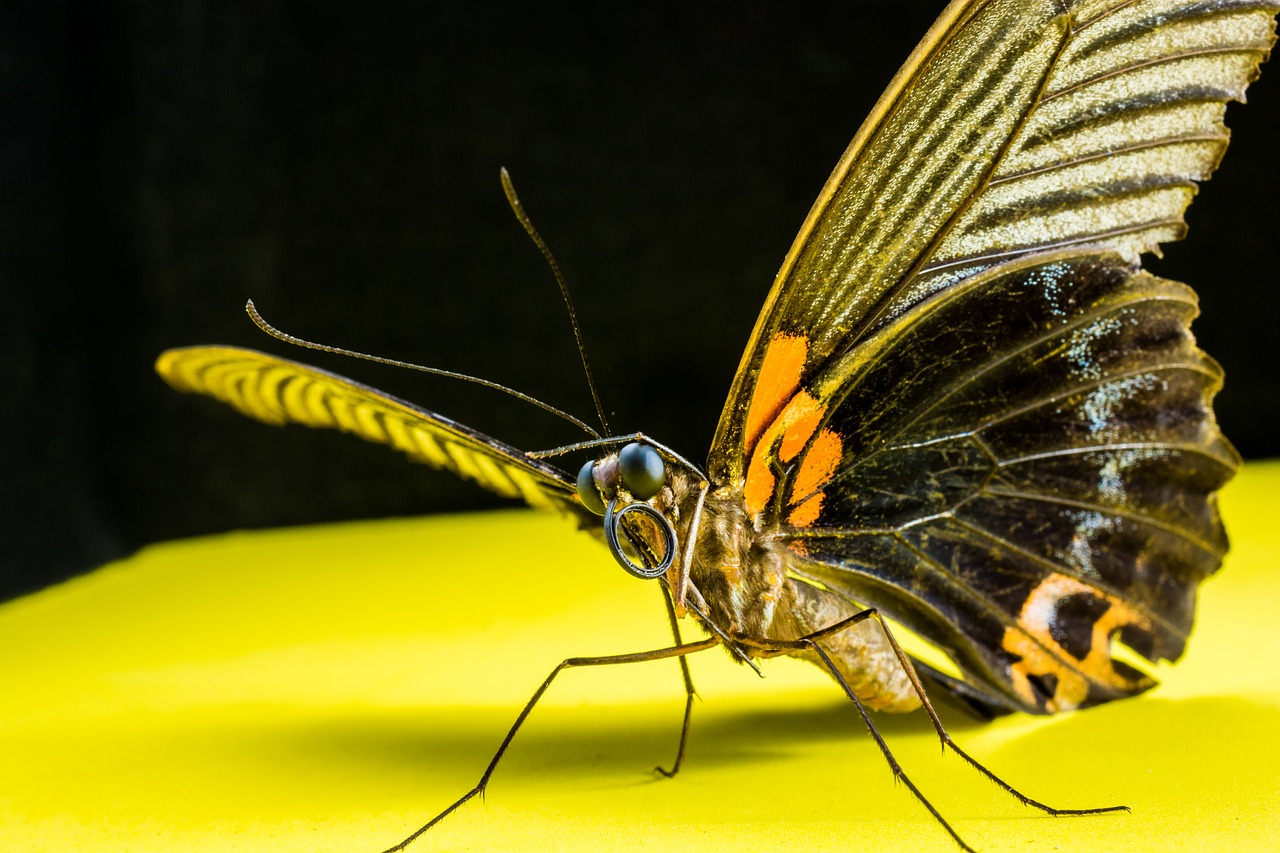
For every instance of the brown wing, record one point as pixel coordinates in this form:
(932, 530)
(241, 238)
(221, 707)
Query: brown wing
(277, 391)
(1021, 468)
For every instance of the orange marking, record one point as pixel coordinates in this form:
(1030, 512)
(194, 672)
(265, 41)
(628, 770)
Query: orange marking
(1042, 655)
(802, 413)
(778, 379)
(806, 513)
(791, 432)
(759, 485)
(799, 421)
(819, 464)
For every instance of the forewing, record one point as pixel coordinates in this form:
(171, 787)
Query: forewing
(277, 391)
(1017, 126)
(1019, 468)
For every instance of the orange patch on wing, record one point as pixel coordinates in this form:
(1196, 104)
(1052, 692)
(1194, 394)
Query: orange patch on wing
(798, 422)
(789, 433)
(759, 485)
(806, 513)
(1040, 654)
(778, 379)
(819, 464)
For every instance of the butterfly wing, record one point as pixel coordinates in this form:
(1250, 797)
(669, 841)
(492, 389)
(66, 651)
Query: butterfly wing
(964, 401)
(1025, 469)
(278, 391)
(1015, 126)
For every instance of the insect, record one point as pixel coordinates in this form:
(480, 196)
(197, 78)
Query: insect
(965, 406)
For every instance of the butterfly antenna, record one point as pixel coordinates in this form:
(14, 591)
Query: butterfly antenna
(512, 199)
(435, 371)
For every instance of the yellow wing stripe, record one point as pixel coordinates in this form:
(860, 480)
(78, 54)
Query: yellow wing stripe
(277, 391)
(428, 446)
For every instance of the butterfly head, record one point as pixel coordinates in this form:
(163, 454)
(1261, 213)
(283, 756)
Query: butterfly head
(622, 484)
(637, 469)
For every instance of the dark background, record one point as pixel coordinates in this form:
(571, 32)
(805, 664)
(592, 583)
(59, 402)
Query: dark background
(163, 160)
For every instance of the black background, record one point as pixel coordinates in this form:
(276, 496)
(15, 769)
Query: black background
(337, 162)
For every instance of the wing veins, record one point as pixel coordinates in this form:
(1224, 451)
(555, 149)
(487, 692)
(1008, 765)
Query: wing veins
(974, 375)
(1044, 401)
(1102, 155)
(1210, 9)
(918, 266)
(1150, 63)
(1000, 616)
(1105, 509)
(1078, 198)
(1059, 568)
(1096, 237)
(1105, 13)
(975, 432)
(1098, 448)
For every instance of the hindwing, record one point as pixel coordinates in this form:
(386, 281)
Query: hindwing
(1025, 468)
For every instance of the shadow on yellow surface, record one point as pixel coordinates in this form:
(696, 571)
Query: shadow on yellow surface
(329, 688)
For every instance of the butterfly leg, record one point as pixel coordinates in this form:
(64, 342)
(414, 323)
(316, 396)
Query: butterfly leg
(943, 735)
(948, 743)
(650, 559)
(679, 650)
(898, 773)
(689, 692)
(781, 647)
(771, 648)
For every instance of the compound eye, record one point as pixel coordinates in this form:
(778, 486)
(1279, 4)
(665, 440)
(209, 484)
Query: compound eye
(643, 471)
(587, 490)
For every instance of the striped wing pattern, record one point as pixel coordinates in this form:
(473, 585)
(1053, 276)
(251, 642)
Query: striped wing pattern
(1015, 127)
(965, 402)
(1130, 115)
(277, 391)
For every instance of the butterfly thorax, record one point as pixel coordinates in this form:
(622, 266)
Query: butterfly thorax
(741, 572)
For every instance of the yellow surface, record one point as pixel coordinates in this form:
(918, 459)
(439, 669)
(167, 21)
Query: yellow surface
(328, 688)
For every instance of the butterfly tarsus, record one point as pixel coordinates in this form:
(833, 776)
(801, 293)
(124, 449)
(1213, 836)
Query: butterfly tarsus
(898, 774)
(684, 734)
(945, 737)
(679, 650)
(948, 743)
(809, 642)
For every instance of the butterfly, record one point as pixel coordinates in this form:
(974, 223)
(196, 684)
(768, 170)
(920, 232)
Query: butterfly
(965, 407)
